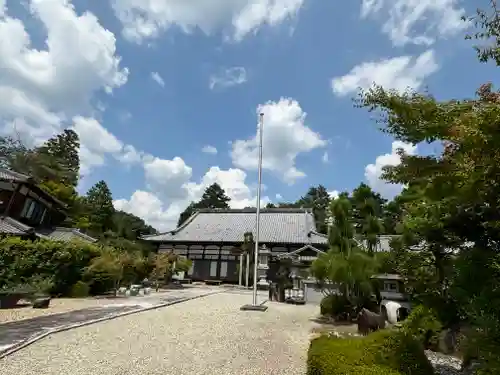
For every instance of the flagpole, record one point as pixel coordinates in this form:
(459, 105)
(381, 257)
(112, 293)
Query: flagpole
(254, 306)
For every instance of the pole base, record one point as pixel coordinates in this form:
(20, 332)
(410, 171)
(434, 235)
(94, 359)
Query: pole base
(249, 307)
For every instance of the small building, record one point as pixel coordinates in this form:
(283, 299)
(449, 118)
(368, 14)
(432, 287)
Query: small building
(212, 239)
(27, 211)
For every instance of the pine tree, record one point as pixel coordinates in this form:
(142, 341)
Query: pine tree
(63, 151)
(367, 214)
(213, 197)
(100, 205)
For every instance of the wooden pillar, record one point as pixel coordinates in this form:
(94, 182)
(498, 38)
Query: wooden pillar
(240, 279)
(247, 269)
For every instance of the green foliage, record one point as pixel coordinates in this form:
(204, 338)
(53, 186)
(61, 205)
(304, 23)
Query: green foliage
(488, 25)
(213, 197)
(382, 352)
(56, 267)
(336, 306)
(183, 264)
(424, 325)
(100, 205)
(80, 290)
(63, 151)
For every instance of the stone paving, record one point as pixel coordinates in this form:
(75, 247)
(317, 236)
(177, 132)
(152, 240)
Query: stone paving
(13, 333)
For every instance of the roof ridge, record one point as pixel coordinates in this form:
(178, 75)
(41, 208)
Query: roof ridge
(253, 210)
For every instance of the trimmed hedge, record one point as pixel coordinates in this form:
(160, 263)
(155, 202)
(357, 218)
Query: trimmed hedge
(381, 353)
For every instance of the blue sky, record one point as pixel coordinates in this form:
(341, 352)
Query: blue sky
(165, 98)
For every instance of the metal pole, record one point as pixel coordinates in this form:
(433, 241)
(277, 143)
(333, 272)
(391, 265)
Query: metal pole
(257, 218)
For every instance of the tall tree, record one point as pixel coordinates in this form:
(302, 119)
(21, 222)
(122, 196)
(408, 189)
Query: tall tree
(100, 205)
(345, 264)
(367, 213)
(458, 204)
(318, 199)
(63, 150)
(213, 197)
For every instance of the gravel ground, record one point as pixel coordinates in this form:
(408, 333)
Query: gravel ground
(206, 336)
(57, 305)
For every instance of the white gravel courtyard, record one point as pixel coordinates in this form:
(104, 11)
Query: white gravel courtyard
(203, 336)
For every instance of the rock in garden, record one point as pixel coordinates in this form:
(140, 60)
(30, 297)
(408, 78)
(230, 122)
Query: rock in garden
(369, 321)
(41, 303)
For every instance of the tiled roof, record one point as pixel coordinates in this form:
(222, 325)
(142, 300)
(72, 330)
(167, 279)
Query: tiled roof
(10, 226)
(66, 234)
(278, 225)
(8, 175)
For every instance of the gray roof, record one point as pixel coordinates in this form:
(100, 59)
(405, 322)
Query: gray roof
(277, 225)
(66, 234)
(9, 225)
(13, 227)
(8, 175)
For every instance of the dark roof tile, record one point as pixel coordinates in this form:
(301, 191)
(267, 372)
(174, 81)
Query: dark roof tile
(276, 226)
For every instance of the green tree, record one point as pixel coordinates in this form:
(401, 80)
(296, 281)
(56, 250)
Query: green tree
(458, 199)
(63, 150)
(318, 199)
(214, 197)
(345, 264)
(367, 215)
(99, 203)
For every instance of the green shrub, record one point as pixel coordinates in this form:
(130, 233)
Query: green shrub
(55, 266)
(80, 289)
(335, 306)
(382, 352)
(424, 325)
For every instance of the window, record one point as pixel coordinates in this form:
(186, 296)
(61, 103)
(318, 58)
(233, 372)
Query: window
(213, 269)
(223, 269)
(390, 286)
(33, 211)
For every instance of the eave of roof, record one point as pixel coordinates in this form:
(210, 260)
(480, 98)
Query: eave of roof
(310, 236)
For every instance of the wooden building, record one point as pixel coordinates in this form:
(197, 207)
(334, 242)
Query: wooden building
(26, 210)
(209, 238)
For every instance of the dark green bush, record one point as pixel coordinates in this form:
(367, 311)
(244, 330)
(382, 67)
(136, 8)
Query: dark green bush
(380, 353)
(335, 306)
(80, 289)
(424, 325)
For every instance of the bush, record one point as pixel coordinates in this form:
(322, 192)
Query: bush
(55, 266)
(383, 352)
(424, 325)
(80, 290)
(336, 306)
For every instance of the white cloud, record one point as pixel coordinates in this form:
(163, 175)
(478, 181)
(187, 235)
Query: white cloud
(162, 210)
(279, 197)
(285, 136)
(399, 73)
(373, 172)
(143, 20)
(334, 194)
(209, 150)
(416, 21)
(228, 77)
(158, 79)
(41, 90)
